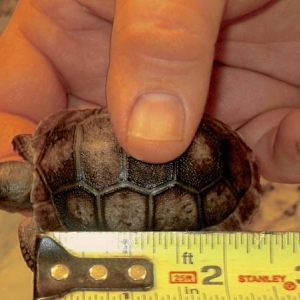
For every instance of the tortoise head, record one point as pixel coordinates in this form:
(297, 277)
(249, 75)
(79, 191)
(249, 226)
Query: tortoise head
(16, 178)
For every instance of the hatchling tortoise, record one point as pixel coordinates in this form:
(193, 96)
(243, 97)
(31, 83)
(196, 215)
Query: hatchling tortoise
(76, 177)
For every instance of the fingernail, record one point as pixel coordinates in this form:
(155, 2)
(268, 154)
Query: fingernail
(157, 117)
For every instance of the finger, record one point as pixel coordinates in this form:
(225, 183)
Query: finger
(161, 59)
(232, 89)
(28, 81)
(274, 137)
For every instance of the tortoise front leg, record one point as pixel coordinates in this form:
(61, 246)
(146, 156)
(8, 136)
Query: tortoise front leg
(28, 231)
(15, 186)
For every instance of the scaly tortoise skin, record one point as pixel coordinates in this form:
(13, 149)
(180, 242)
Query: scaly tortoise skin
(83, 180)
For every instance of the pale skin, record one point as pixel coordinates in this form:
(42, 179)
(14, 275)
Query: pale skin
(162, 66)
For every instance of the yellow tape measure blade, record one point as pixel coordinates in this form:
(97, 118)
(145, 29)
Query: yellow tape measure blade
(168, 265)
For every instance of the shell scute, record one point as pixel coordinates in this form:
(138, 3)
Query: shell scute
(201, 164)
(99, 157)
(218, 198)
(76, 208)
(56, 161)
(149, 176)
(124, 209)
(170, 203)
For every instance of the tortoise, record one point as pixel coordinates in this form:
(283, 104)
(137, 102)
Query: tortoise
(76, 177)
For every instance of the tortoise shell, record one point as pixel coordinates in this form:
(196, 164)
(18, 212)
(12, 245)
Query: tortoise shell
(84, 180)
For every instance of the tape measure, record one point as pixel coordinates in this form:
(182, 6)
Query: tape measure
(167, 266)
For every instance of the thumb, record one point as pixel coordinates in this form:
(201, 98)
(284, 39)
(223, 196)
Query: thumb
(161, 59)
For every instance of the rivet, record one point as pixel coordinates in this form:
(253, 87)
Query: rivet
(98, 272)
(137, 272)
(60, 272)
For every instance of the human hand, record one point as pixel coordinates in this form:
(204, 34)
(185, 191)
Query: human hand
(55, 54)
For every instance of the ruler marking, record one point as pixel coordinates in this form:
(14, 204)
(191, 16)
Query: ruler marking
(218, 239)
(179, 293)
(236, 242)
(258, 242)
(177, 250)
(165, 241)
(266, 236)
(189, 241)
(283, 241)
(294, 245)
(201, 244)
(271, 249)
(213, 241)
(242, 239)
(153, 243)
(253, 240)
(142, 242)
(195, 239)
(225, 267)
(171, 238)
(275, 293)
(248, 243)
(160, 238)
(182, 238)
(136, 240)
